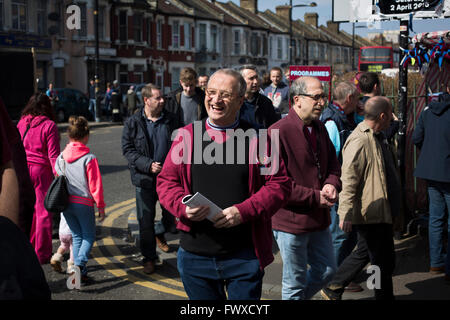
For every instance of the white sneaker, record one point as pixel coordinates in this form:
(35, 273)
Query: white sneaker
(55, 262)
(70, 267)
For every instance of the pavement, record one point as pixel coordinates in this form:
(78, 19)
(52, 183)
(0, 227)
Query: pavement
(412, 279)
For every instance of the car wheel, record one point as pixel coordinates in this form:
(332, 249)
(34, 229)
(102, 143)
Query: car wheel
(60, 115)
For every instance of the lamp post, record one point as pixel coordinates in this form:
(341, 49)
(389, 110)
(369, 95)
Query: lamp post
(96, 65)
(353, 43)
(312, 4)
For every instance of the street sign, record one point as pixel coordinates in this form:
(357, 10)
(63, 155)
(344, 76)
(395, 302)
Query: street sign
(380, 10)
(407, 6)
(323, 73)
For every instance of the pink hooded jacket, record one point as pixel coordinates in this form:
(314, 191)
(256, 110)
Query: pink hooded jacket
(41, 141)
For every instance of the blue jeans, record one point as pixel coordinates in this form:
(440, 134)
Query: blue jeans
(92, 107)
(205, 278)
(81, 221)
(343, 242)
(300, 250)
(439, 194)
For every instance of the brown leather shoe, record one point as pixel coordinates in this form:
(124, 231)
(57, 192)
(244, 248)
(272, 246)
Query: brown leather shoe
(162, 243)
(437, 270)
(149, 267)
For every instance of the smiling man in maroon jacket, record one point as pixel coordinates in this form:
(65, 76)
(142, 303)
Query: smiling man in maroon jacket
(301, 227)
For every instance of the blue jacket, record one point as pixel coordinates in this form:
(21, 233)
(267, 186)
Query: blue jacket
(342, 129)
(138, 148)
(432, 136)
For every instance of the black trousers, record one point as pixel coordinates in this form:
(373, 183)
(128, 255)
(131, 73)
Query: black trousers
(375, 245)
(145, 212)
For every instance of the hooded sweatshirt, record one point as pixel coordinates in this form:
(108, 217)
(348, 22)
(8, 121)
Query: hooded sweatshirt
(41, 142)
(432, 136)
(83, 175)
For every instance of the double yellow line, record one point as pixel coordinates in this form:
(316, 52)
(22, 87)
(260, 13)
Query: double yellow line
(121, 266)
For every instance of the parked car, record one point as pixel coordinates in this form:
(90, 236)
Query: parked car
(71, 102)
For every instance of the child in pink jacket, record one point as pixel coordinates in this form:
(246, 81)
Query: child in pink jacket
(85, 189)
(40, 138)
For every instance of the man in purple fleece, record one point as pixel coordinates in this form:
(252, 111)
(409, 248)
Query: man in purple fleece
(230, 250)
(301, 226)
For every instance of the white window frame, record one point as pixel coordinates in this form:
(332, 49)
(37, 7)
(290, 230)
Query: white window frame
(138, 23)
(101, 22)
(123, 26)
(20, 20)
(82, 33)
(279, 48)
(237, 42)
(202, 34)
(175, 74)
(176, 34)
(41, 17)
(2, 10)
(187, 36)
(159, 27)
(214, 36)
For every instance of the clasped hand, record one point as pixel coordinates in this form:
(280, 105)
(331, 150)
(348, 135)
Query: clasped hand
(328, 196)
(228, 218)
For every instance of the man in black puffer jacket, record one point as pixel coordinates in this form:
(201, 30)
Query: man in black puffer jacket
(146, 140)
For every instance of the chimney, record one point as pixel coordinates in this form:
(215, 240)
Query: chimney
(312, 18)
(283, 11)
(250, 5)
(333, 26)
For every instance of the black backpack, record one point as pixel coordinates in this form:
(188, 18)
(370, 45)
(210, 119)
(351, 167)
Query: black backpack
(57, 197)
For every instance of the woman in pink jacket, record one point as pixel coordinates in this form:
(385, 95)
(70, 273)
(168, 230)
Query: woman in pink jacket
(40, 138)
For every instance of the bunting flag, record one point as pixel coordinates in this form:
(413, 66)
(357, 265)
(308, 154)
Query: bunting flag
(434, 78)
(428, 47)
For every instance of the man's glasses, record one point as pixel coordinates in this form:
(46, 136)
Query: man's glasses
(316, 97)
(223, 95)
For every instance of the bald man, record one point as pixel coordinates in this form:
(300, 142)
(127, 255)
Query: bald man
(368, 177)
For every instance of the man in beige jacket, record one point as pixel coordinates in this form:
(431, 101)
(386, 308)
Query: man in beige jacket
(368, 201)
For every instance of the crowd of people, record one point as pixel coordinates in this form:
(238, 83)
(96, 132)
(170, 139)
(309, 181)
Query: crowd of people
(318, 177)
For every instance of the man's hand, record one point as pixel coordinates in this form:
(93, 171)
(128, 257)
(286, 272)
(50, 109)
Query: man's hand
(330, 193)
(230, 217)
(346, 226)
(156, 167)
(324, 202)
(197, 213)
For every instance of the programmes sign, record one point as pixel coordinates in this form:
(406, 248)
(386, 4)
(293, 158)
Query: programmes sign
(407, 6)
(323, 73)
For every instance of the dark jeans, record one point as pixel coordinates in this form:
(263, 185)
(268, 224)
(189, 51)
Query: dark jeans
(145, 211)
(439, 223)
(205, 278)
(375, 245)
(343, 242)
